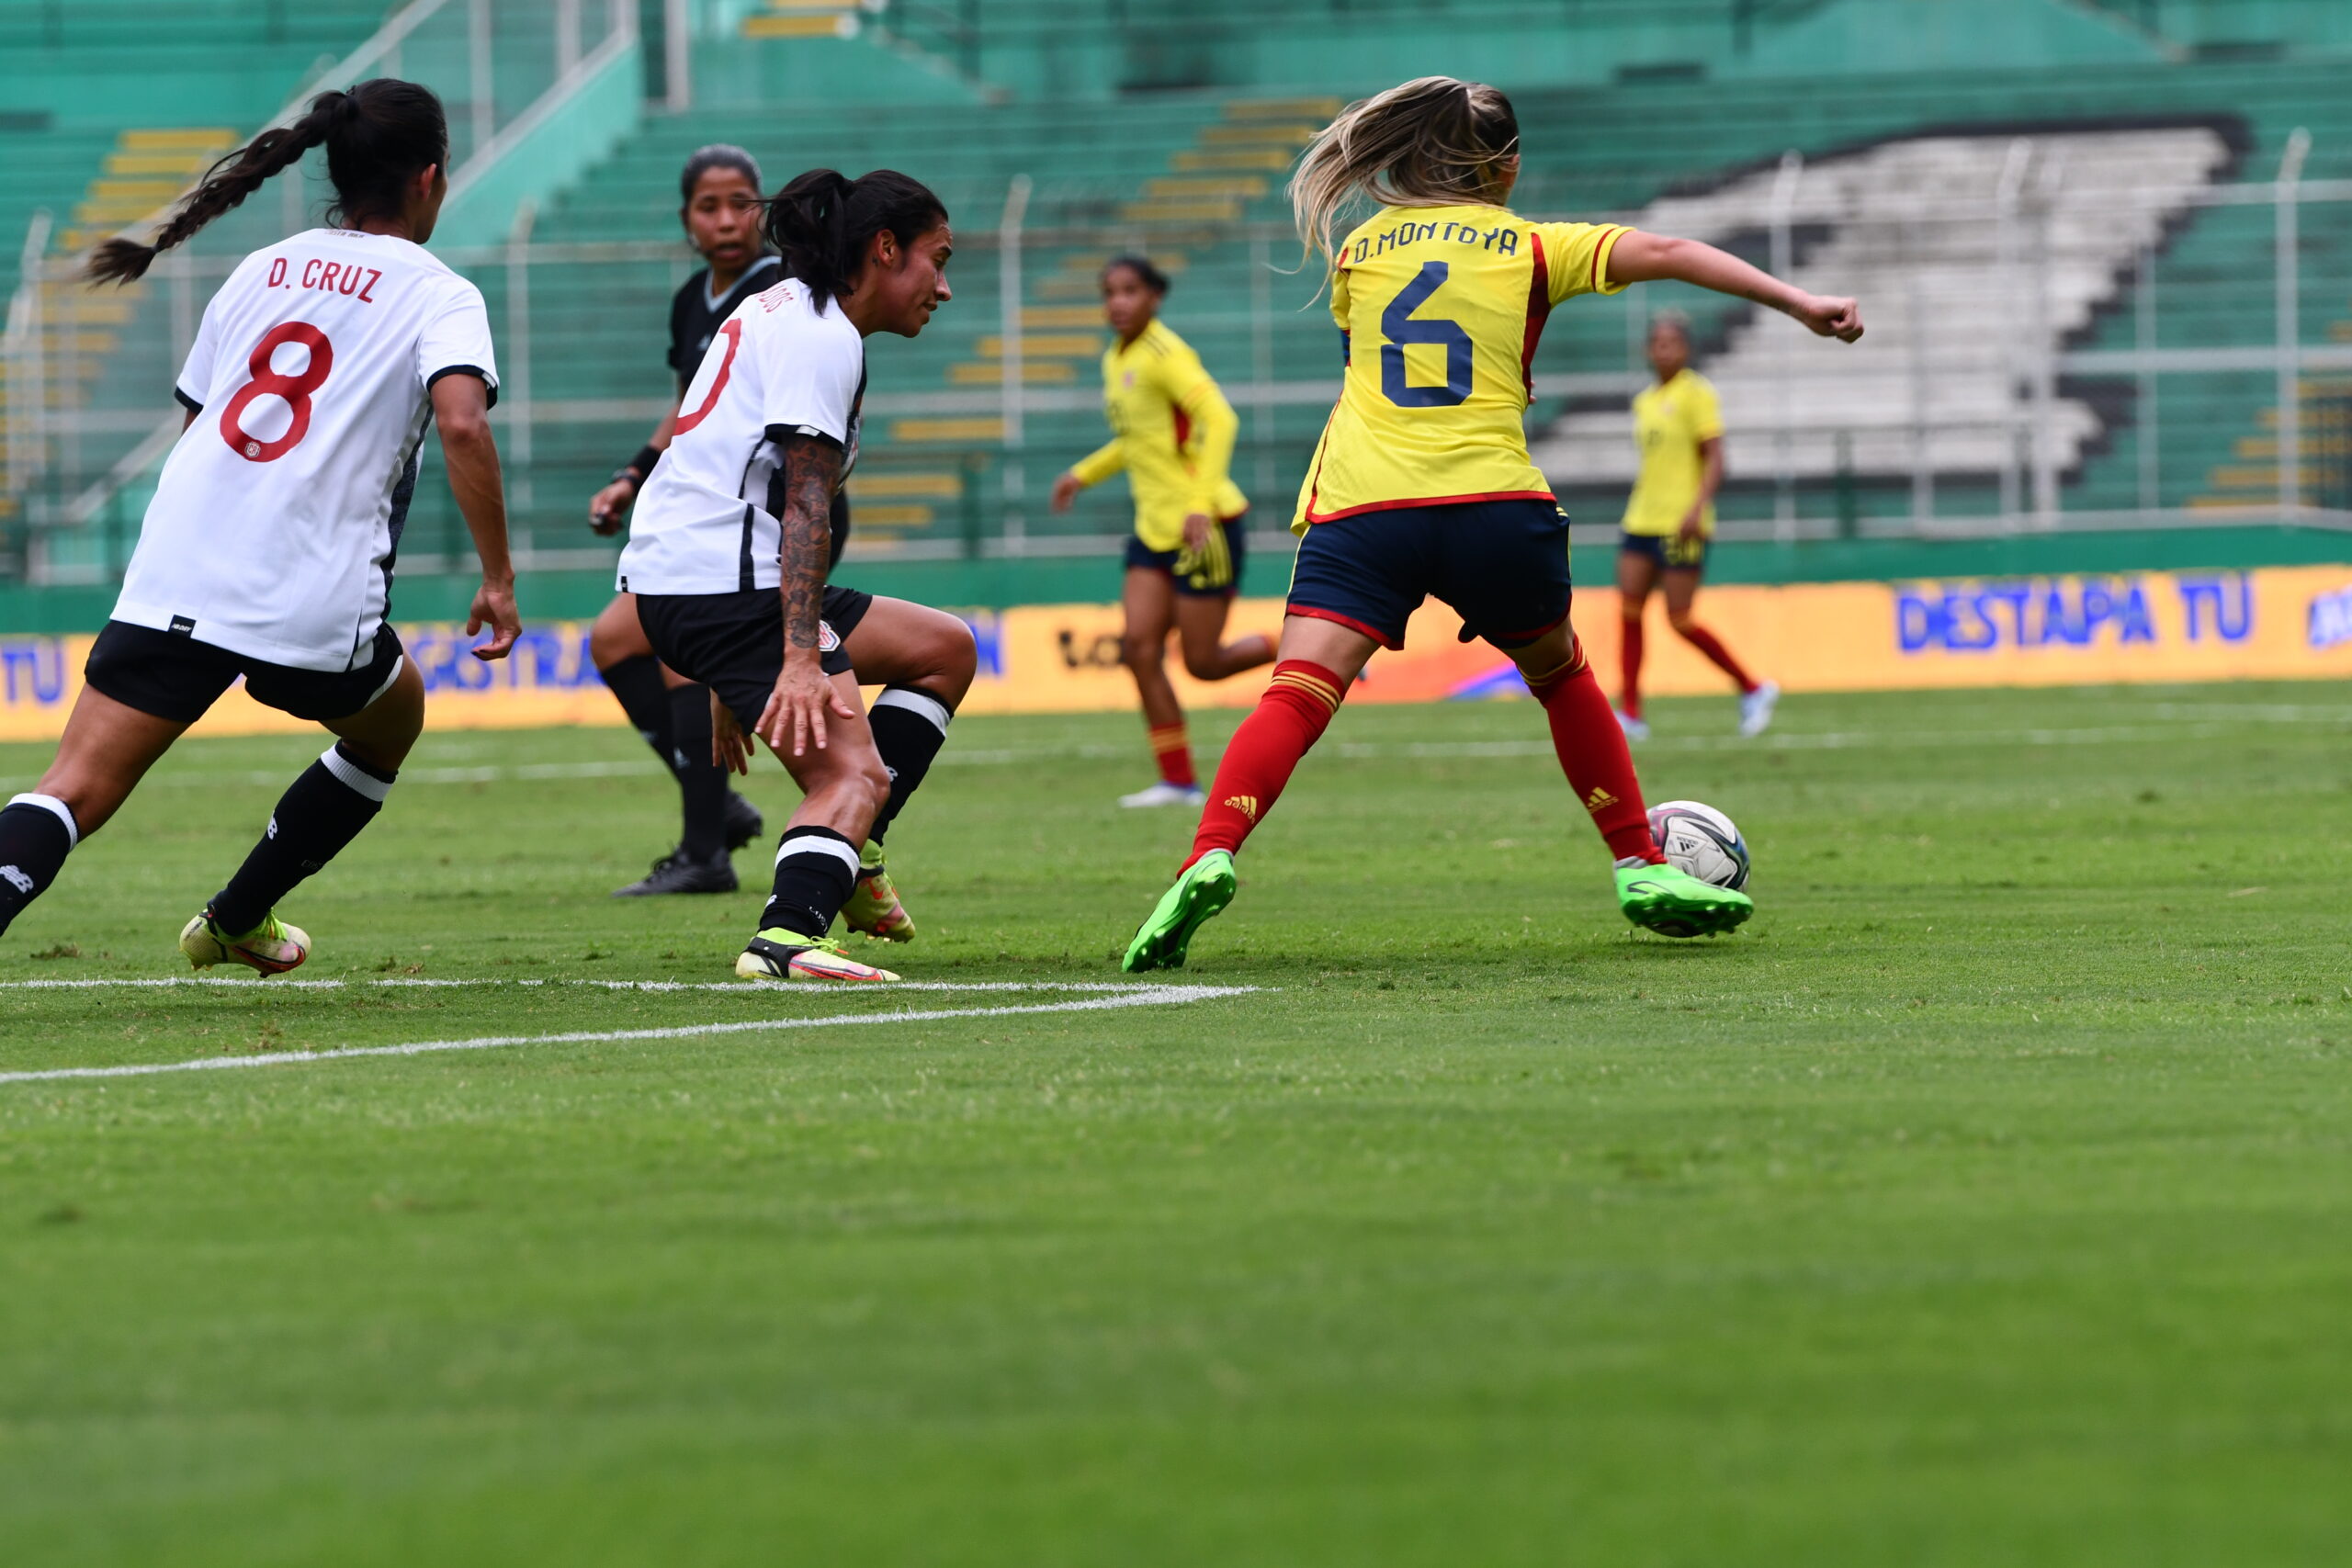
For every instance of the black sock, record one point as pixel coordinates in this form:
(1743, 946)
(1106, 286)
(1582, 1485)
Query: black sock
(318, 815)
(37, 832)
(645, 697)
(815, 870)
(702, 782)
(909, 726)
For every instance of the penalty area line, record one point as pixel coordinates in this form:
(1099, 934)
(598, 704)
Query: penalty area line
(1128, 997)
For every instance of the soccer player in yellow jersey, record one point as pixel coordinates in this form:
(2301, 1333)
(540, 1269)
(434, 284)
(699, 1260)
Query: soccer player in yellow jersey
(1422, 483)
(1670, 518)
(1172, 432)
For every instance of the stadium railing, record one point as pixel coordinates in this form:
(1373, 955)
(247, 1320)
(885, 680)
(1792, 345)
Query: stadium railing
(80, 426)
(1822, 445)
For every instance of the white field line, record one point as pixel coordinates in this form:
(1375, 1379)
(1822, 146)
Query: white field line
(1127, 996)
(739, 987)
(2220, 719)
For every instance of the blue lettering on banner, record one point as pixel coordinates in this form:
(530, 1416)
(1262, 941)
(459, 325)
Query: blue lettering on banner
(987, 643)
(1981, 617)
(544, 659)
(2219, 607)
(2330, 621)
(33, 670)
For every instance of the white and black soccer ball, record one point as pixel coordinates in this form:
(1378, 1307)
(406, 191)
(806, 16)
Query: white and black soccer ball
(1701, 840)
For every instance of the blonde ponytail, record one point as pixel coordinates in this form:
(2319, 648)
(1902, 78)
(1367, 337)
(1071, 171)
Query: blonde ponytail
(1431, 142)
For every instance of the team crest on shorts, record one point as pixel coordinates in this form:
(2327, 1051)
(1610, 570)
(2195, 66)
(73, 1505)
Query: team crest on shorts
(827, 639)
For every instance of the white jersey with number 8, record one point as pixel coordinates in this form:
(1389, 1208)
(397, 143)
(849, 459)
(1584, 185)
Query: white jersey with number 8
(278, 513)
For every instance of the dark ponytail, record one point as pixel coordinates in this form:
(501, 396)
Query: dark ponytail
(821, 222)
(377, 135)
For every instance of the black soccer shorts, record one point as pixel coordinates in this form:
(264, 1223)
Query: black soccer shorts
(171, 675)
(733, 642)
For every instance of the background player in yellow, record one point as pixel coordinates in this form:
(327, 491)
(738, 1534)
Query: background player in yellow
(1172, 432)
(1679, 425)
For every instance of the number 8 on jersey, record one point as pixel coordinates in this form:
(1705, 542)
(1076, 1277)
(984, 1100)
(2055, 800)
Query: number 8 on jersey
(294, 390)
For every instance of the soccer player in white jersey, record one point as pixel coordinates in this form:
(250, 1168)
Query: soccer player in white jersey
(267, 551)
(923, 657)
(731, 539)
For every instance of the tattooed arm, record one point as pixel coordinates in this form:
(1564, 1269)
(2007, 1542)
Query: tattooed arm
(802, 501)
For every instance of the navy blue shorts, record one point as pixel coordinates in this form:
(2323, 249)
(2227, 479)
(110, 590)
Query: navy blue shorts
(1501, 564)
(1215, 574)
(1672, 551)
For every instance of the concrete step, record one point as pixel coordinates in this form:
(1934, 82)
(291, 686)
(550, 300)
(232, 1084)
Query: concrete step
(1287, 109)
(991, 373)
(969, 432)
(907, 486)
(832, 23)
(1046, 345)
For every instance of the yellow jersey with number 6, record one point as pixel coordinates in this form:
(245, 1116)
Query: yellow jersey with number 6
(1439, 309)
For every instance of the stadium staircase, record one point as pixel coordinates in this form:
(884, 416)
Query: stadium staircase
(107, 156)
(1192, 174)
(1180, 175)
(113, 107)
(1618, 147)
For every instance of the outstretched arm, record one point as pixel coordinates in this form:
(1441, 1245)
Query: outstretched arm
(1092, 469)
(1638, 257)
(810, 473)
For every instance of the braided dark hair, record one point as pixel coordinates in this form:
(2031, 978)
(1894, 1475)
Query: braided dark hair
(377, 135)
(1150, 277)
(822, 220)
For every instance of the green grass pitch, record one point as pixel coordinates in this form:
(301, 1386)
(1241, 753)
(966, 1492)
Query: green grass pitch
(1985, 1201)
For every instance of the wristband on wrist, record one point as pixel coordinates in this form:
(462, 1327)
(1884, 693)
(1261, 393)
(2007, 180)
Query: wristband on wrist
(639, 468)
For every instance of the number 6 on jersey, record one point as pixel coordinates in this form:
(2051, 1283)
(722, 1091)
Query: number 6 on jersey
(1398, 325)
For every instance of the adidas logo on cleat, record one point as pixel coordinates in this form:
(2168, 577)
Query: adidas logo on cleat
(1245, 804)
(1599, 799)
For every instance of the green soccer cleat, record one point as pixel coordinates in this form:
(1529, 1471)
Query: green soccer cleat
(874, 906)
(779, 955)
(1675, 903)
(1203, 890)
(273, 947)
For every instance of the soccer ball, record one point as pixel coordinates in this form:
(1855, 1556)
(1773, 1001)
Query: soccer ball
(1701, 840)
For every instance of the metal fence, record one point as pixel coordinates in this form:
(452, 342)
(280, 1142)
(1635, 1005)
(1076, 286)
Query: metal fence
(2043, 355)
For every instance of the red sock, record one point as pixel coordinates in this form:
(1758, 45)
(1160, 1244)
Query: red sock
(1707, 643)
(1633, 703)
(1291, 717)
(1593, 754)
(1172, 748)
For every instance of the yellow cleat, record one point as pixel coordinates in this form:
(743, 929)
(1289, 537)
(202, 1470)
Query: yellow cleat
(272, 947)
(874, 906)
(779, 955)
